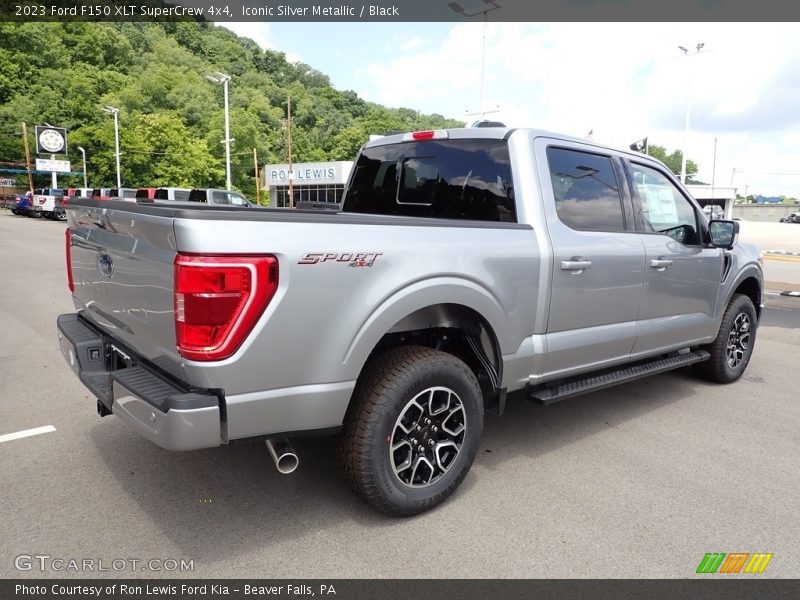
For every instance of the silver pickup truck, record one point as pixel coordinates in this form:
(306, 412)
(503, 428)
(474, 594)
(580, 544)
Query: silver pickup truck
(463, 265)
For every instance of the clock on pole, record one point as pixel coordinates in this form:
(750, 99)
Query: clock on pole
(51, 140)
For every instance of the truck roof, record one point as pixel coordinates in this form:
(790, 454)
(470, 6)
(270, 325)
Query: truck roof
(499, 133)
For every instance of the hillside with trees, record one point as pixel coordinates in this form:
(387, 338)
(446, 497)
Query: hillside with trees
(171, 118)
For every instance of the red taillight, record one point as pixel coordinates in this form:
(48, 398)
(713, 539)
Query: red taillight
(218, 300)
(70, 282)
(422, 135)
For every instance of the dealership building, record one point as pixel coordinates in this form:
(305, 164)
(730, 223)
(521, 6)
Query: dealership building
(311, 182)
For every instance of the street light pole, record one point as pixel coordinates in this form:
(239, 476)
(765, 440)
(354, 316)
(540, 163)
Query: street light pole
(223, 79)
(83, 153)
(491, 5)
(688, 110)
(115, 111)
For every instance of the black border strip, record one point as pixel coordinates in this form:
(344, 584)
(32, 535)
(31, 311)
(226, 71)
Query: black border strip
(706, 587)
(374, 11)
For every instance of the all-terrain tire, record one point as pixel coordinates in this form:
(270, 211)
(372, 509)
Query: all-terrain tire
(733, 346)
(390, 397)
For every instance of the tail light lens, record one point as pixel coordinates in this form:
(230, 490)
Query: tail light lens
(218, 300)
(68, 253)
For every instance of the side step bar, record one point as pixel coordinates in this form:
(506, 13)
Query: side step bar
(549, 393)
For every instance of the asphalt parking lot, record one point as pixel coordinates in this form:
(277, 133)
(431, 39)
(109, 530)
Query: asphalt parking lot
(637, 481)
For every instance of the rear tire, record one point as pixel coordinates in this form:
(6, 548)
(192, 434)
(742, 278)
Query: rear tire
(733, 347)
(412, 430)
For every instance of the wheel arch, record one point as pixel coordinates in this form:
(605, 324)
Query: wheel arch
(459, 317)
(751, 288)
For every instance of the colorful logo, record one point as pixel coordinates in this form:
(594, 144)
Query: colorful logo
(734, 562)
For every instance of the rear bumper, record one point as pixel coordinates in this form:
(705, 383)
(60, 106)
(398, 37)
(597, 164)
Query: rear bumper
(166, 411)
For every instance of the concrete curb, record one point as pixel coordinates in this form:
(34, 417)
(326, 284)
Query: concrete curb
(781, 253)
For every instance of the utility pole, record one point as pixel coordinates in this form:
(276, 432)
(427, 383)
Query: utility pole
(115, 113)
(223, 79)
(714, 168)
(83, 154)
(27, 156)
(685, 51)
(491, 6)
(289, 134)
(258, 179)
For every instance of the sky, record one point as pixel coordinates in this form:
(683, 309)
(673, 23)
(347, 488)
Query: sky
(622, 81)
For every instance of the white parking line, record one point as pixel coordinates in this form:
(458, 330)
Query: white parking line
(27, 433)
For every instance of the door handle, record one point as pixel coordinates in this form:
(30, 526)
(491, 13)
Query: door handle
(660, 263)
(575, 265)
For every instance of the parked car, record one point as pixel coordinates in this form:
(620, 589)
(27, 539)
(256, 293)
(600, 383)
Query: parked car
(713, 212)
(218, 197)
(464, 264)
(178, 194)
(45, 204)
(22, 204)
(62, 202)
(128, 193)
(101, 193)
(791, 218)
(148, 193)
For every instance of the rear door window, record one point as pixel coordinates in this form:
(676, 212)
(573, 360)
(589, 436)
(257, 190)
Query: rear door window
(586, 190)
(468, 179)
(182, 195)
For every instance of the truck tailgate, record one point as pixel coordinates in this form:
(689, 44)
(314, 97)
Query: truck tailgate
(122, 267)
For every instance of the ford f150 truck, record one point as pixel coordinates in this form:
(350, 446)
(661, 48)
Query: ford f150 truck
(47, 204)
(463, 265)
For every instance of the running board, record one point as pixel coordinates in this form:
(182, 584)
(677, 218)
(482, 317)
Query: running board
(549, 393)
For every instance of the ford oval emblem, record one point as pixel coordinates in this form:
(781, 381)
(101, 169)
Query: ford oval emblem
(105, 265)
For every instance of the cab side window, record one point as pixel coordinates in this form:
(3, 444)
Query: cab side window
(586, 190)
(664, 209)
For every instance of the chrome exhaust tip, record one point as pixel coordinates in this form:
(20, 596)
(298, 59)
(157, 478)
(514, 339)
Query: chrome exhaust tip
(283, 455)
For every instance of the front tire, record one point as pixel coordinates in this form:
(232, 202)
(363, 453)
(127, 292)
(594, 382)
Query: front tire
(733, 347)
(412, 430)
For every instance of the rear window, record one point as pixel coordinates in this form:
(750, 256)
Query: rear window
(197, 196)
(449, 179)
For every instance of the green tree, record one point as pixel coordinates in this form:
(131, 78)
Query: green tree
(673, 160)
(171, 118)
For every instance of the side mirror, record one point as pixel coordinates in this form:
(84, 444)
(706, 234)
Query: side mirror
(723, 234)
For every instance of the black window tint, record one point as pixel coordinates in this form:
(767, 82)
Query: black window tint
(451, 179)
(586, 190)
(182, 195)
(162, 194)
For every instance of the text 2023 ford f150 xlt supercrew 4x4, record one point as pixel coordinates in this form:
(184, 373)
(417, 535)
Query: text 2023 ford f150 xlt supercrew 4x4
(463, 265)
